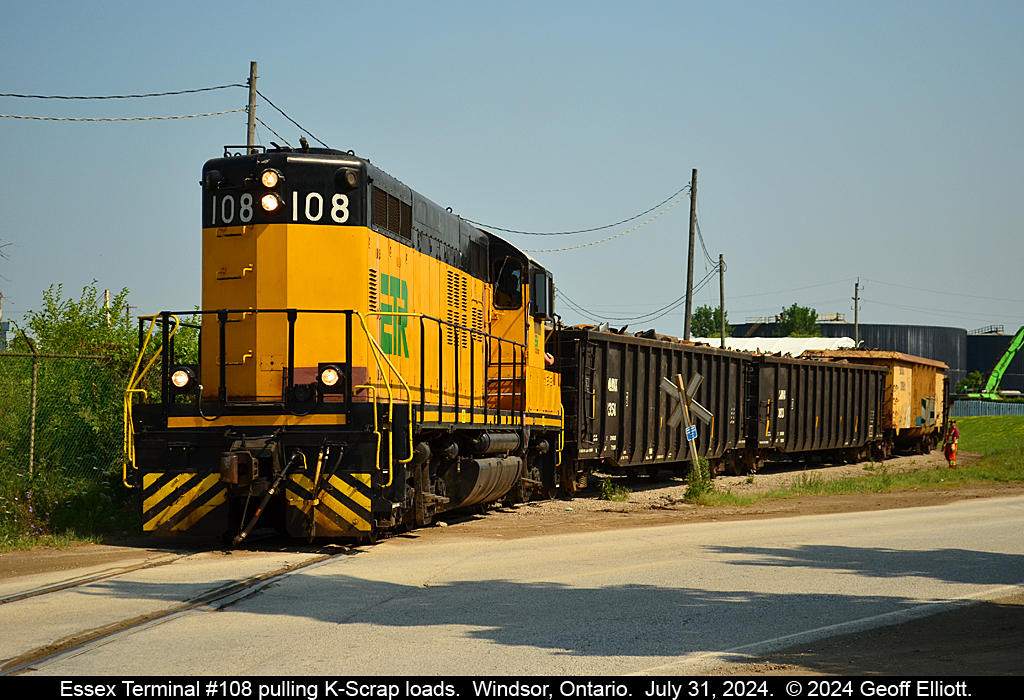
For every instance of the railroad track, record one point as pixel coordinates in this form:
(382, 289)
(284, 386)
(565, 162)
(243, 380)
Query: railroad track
(98, 576)
(111, 572)
(82, 642)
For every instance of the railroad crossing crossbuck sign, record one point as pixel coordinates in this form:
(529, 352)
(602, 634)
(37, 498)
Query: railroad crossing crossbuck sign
(682, 394)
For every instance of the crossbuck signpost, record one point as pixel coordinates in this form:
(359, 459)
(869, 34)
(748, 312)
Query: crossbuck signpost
(682, 394)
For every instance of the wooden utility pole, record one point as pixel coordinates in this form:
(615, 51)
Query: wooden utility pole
(721, 295)
(856, 314)
(250, 140)
(689, 257)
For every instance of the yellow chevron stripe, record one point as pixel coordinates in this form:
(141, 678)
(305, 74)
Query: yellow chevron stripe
(303, 482)
(173, 485)
(351, 492)
(199, 513)
(183, 502)
(329, 501)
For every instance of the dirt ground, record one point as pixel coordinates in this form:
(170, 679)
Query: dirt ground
(982, 639)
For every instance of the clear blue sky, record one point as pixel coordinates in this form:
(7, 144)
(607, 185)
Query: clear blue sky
(879, 140)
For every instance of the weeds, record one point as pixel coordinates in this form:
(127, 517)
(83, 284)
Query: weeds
(46, 507)
(612, 492)
(698, 480)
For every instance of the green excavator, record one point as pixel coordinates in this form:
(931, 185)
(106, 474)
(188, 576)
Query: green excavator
(991, 390)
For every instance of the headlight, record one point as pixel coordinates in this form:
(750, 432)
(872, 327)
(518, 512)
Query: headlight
(183, 378)
(346, 178)
(270, 178)
(330, 376)
(270, 203)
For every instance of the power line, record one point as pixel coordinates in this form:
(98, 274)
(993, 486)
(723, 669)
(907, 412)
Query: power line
(944, 313)
(304, 130)
(584, 230)
(117, 119)
(118, 97)
(605, 240)
(952, 294)
(273, 132)
(643, 318)
(786, 291)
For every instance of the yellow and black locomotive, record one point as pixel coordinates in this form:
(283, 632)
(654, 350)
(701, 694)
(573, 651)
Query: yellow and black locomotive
(367, 359)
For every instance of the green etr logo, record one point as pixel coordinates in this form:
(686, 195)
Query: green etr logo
(394, 293)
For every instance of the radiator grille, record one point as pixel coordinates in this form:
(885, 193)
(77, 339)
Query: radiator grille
(458, 307)
(392, 214)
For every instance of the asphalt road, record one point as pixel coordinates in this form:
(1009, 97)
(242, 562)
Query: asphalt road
(666, 600)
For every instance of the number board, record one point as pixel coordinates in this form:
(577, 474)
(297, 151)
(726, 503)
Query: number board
(308, 192)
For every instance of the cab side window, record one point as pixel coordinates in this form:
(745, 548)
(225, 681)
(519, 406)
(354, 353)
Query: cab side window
(508, 283)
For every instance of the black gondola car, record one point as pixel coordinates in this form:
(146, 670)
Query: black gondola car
(799, 406)
(616, 414)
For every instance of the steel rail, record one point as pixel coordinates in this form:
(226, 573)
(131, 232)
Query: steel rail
(215, 599)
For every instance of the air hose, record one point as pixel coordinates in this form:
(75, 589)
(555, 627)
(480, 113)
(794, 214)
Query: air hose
(296, 457)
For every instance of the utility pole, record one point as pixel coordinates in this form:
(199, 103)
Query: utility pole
(106, 304)
(250, 140)
(721, 295)
(856, 314)
(689, 257)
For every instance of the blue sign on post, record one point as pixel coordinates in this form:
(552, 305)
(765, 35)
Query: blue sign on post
(691, 432)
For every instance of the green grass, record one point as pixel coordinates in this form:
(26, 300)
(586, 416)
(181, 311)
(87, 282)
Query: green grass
(999, 439)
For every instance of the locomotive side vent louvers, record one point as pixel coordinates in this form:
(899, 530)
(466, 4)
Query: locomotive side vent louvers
(392, 214)
(458, 308)
(373, 290)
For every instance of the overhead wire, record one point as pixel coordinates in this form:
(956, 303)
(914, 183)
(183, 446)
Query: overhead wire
(273, 132)
(583, 230)
(302, 128)
(952, 294)
(643, 318)
(118, 119)
(666, 309)
(152, 94)
(119, 97)
(609, 238)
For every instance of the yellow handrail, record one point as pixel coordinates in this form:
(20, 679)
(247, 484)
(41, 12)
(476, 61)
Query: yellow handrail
(408, 391)
(561, 435)
(376, 431)
(133, 383)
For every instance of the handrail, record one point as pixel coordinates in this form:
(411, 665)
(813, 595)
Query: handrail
(378, 352)
(372, 389)
(132, 388)
(381, 361)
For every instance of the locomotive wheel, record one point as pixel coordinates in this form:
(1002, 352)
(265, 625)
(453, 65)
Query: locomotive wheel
(516, 494)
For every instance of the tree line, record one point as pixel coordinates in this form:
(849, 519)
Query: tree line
(792, 322)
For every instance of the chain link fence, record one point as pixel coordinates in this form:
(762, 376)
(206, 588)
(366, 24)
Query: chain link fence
(60, 441)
